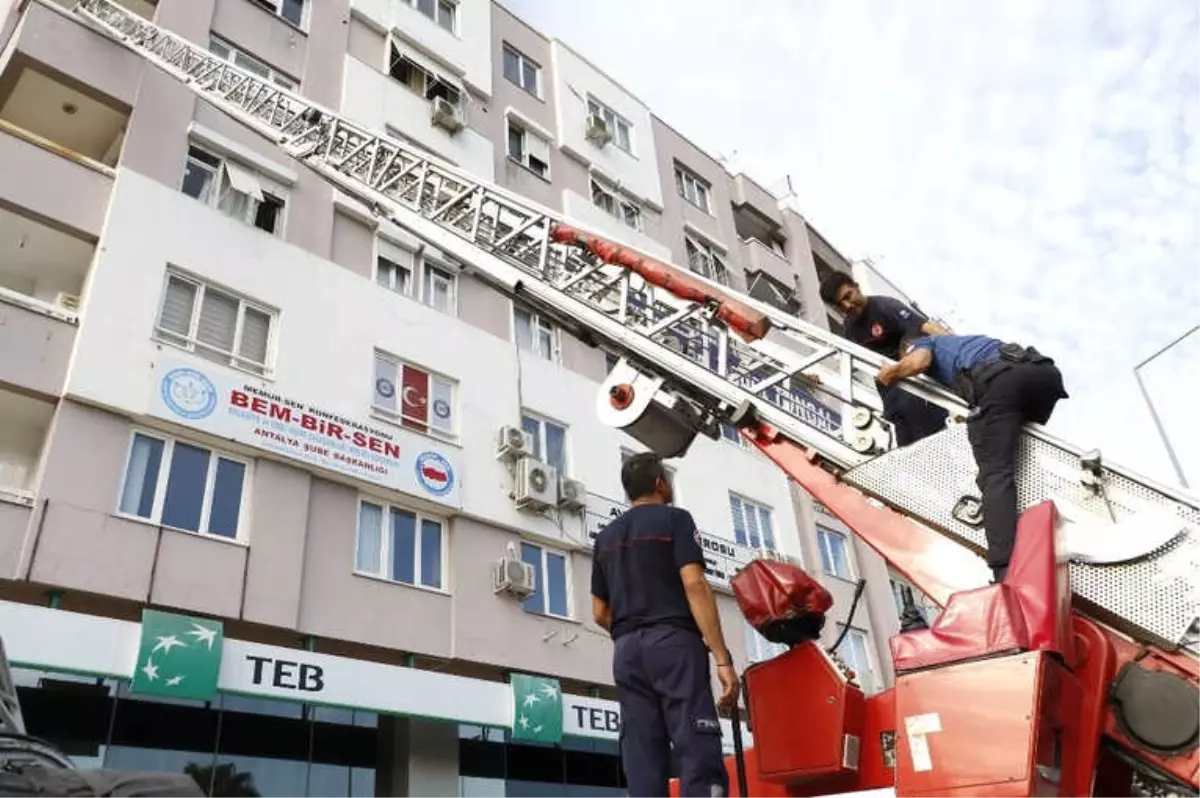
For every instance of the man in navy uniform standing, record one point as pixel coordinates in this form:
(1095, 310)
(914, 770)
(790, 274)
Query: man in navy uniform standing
(650, 592)
(1006, 386)
(878, 323)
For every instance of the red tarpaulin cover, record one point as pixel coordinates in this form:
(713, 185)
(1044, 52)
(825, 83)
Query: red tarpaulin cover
(782, 602)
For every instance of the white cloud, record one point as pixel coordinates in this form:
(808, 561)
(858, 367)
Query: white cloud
(1031, 167)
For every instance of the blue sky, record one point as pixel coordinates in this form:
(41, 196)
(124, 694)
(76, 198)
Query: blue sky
(1029, 170)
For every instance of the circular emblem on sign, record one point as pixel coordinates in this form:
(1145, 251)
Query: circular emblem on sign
(188, 393)
(384, 388)
(441, 408)
(876, 329)
(435, 473)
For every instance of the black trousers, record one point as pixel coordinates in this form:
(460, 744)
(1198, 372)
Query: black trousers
(1007, 395)
(666, 698)
(912, 417)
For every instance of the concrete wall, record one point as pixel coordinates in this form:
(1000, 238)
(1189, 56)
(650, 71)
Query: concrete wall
(37, 349)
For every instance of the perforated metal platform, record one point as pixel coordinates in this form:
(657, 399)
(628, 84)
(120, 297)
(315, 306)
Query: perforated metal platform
(1154, 598)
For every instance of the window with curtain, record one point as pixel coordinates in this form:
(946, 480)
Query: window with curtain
(215, 324)
(399, 545)
(752, 523)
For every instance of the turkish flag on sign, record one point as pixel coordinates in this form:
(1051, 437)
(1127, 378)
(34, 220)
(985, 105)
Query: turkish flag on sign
(414, 399)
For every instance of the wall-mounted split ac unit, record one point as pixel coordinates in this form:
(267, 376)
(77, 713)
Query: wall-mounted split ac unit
(572, 494)
(536, 485)
(513, 443)
(596, 130)
(513, 576)
(445, 114)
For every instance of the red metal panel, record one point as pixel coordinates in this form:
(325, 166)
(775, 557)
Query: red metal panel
(1040, 577)
(975, 623)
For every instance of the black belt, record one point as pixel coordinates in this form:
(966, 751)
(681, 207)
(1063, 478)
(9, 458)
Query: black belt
(971, 382)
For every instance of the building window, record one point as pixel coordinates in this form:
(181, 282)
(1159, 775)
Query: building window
(395, 270)
(704, 260)
(854, 652)
(752, 525)
(758, 648)
(227, 52)
(692, 188)
(535, 334)
(183, 486)
(235, 190)
(399, 545)
(215, 324)
(291, 10)
(522, 72)
(529, 149)
(420, 399)
(618, 126)
(550, 593)
(549, 440)
(426, 84)
(835, 554)
(620, 208)
(730, 434)
(443, 12)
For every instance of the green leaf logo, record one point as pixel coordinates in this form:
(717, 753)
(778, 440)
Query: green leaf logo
(537, 709)
(179, 656)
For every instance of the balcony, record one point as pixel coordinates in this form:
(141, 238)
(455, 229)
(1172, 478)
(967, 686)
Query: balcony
(759, 257)
(752, 200)
(42, 271)
(24, 422)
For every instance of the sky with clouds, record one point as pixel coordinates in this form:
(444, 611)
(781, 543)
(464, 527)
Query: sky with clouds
(1026, 169)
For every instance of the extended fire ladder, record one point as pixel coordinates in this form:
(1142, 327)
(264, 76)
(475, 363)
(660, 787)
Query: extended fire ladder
(711, 353)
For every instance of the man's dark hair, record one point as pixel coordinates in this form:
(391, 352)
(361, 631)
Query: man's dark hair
(833, 283)
(640, 475)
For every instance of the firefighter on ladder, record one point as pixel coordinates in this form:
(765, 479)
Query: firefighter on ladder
(878, 323)
(650, 592)
(1006, 386)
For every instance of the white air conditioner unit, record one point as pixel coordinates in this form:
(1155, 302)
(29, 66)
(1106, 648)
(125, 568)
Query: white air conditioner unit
(445, 114)
(513, 576)
(67, 301)
(513, 443)
(537, 485)
(572, 494)
(596, 130)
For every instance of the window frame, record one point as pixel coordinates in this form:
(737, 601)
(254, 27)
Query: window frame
(614, 121)
(437, 12)
(241, 535)
(522, 159)
(761, 510)
(866, 677)
(736, 439)
(684, 178)
(826, 533)
(759, 648)
(522, 60)
(267, 185)
(398, 417)
(394, 52)
(232, 51)
(541, 590)
(620, 205)
(539, 442)
(538, 324)
(717, 266)
(276, 7)
(191, 341)
(386, 542)
(419, 271)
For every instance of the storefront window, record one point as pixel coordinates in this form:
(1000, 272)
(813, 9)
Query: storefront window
(489, 766)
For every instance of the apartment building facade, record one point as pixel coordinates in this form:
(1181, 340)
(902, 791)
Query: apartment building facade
(232, 395)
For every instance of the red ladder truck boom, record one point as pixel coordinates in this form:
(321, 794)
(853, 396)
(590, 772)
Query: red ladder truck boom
(1084, 686)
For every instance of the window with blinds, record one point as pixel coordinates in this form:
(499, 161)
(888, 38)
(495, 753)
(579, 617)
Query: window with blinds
(215, 324)
(752, 523)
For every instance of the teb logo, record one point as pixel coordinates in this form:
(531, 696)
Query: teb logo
(435, 473)
(188, 393)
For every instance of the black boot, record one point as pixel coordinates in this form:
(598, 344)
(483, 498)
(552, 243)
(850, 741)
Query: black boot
(998, 574)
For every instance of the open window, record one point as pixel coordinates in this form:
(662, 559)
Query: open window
(235, 189)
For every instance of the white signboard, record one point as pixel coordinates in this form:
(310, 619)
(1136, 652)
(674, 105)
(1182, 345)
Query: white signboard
(722, 558)
(212, 401)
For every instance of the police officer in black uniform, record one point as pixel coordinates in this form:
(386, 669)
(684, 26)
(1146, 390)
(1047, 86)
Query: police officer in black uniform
(649, 591)
(878, 323)
(1007, 386)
